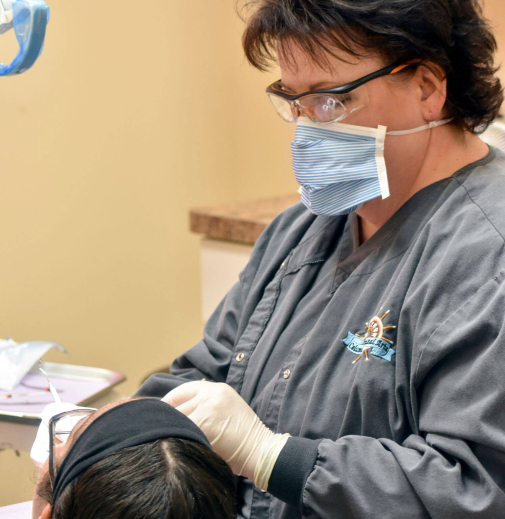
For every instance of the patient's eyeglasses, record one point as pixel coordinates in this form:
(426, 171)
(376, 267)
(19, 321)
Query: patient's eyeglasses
(60, 428)
(328, 104)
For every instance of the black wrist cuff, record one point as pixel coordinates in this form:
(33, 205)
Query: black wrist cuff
(293, 466)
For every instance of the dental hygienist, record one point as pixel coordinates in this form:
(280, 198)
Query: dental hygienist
(356, 370)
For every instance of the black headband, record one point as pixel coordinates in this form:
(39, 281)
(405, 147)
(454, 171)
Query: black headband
(126, 425)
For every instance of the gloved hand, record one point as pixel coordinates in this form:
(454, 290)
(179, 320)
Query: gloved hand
(231, 426)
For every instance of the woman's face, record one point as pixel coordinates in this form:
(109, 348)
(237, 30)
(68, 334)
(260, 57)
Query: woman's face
(399, 103)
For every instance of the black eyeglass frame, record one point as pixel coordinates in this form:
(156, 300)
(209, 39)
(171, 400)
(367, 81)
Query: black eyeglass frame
(52, 425)
(342, 89)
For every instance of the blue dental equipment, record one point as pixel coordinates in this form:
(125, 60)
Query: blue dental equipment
(28, 18)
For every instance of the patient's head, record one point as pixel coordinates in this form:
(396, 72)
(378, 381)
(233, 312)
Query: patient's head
(102, 471)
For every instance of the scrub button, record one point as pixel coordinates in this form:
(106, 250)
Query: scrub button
(240, 357)
(287, 373)
(283, 264)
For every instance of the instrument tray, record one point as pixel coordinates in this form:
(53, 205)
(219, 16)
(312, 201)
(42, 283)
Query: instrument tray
(75, 384)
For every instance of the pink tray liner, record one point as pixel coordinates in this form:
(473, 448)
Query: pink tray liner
(72, 391)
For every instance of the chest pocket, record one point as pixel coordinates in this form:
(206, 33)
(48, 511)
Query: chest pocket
(370, 382)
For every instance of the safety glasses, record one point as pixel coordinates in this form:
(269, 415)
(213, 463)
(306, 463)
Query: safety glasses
(328, 104)
(60, 428)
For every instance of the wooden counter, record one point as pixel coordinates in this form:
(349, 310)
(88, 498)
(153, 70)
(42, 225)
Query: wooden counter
(240, 222)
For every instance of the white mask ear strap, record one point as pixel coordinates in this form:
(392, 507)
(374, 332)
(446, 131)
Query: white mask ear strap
(432, 124)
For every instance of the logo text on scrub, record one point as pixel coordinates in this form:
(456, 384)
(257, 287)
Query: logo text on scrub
(372, 341)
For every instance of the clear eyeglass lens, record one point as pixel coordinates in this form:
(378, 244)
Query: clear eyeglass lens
(322, 108)
(64, 425)
(283, 107)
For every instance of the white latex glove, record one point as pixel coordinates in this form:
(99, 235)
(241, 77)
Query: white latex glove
(231, 426)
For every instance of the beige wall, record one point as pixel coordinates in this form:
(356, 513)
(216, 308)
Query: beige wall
(135, 113)
(495, 11)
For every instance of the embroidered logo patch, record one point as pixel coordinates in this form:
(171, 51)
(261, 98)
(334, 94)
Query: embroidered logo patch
(372, 341)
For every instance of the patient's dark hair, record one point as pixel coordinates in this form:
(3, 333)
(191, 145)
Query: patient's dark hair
(451, 34)
(164, 479)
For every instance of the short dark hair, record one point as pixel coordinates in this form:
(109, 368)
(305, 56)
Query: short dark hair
(452, 34)
(164, 479)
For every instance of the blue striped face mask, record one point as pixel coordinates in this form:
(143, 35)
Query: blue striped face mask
(339, 166)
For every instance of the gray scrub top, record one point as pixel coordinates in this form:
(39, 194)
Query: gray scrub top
(415, 431)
